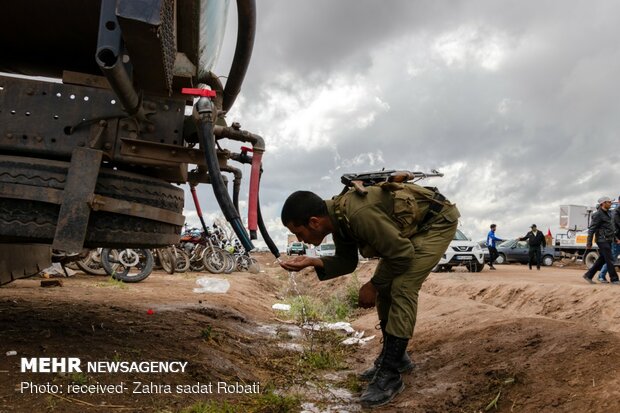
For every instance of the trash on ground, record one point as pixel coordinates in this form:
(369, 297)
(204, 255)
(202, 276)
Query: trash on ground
(51, 283)
(281, 307)
(11, 353)
(341, 325)
(55, 270)
(212, 285)
(356, 340)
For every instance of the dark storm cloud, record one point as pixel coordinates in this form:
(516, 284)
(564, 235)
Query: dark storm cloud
(515, 101)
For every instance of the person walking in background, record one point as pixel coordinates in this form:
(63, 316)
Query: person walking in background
(615, 246)
(605, 227)
(491, 245)
(536, 240)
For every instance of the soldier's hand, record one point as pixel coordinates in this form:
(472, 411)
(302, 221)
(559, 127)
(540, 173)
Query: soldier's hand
(299, 263)
(367, 296)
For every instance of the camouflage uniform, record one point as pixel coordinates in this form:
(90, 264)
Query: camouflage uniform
(387, 224)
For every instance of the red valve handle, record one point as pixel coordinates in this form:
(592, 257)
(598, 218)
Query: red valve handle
(198, 92)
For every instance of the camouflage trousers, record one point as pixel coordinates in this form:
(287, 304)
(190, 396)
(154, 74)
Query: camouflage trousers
(397, 298)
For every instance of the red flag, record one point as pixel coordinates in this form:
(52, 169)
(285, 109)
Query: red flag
(549, 233)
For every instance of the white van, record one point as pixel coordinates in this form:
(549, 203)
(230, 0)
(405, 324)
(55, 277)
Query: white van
(326, 250)
(462, 251)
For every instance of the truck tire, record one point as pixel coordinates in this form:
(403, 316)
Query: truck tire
(590, 258)
(31, 221)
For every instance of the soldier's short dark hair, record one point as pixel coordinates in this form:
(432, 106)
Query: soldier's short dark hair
(493, 226)
(300, 206)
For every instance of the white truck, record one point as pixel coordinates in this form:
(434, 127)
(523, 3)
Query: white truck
(575, 219)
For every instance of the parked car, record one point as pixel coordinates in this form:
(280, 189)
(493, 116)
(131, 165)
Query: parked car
(296, 248)
(326, 250)
(518, 251)
(485, 249)
(462, 251)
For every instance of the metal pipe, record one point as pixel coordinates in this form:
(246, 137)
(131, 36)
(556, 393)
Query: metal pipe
(108, 57)
(235, 133)
(121, 85)
(236, 184)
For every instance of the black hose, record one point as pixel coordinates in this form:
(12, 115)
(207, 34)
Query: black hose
(263, 231)
(207, 142)
(246, 31)
(261, 225)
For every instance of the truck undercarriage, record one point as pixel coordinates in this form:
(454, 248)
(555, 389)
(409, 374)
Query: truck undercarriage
(93, 148)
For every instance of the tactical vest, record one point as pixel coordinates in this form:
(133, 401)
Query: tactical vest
(414, 207)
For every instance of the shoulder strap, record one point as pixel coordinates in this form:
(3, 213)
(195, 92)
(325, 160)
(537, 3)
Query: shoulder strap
(344, 227)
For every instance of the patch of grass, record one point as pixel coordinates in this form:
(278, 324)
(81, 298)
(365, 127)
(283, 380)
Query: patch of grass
(79, 378)
(273, 403)
(51, 403)
(338, 306)
(352, 383)
(114, 283)
(267, 402)
(212, 406)
(352, 291)
(324, 351)
(321, 360)
(207, 333)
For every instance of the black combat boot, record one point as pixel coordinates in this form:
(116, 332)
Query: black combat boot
(405, 365)
(387, 382)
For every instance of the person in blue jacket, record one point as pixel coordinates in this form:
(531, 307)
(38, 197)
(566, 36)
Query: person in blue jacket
(492, 246)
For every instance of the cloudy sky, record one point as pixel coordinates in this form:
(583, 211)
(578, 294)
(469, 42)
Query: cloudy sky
(515, 102)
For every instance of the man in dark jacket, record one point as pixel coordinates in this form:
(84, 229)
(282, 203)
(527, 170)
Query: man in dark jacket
(615, 246)
(409, 229)
(601, 226)
(536, 240)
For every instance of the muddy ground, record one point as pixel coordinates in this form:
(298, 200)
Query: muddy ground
(511, 340)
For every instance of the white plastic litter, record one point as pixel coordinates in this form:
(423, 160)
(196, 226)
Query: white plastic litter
(212, 285)
(281, 307)
(341, 325)
(346, 327)
(11, 353)
(356, 340)
(56, 269)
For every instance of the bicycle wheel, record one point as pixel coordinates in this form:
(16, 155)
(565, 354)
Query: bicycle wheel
(181, 259)
(134, 265)
(214, 260)
(166, 260)
(242, 263)
(230, 262)
(91, 264)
